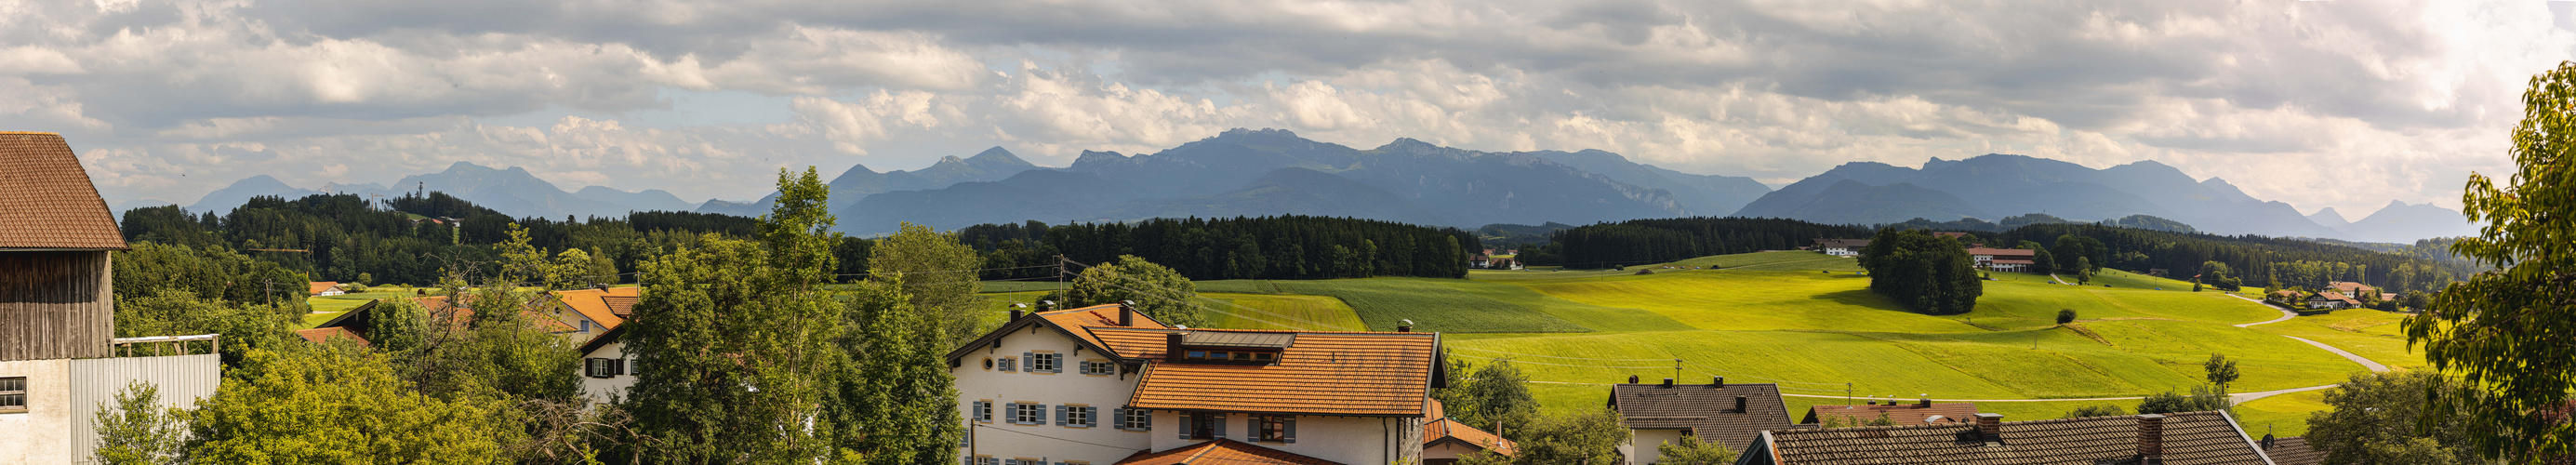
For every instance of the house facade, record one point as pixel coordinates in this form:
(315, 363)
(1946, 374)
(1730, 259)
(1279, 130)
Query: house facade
(1108, 385)
(58, 353)
(2005, 260)
(1841, 247)
(325, 288)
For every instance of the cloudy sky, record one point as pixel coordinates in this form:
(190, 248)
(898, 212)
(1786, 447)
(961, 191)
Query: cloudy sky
(2346, 104)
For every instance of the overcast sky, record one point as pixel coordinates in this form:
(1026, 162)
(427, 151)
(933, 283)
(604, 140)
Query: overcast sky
(2346, 104)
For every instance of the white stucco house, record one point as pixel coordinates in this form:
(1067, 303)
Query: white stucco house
(1107, 385)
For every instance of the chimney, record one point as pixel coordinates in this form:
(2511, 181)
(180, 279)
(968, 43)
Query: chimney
(1720, 382)
(1172, 346)
(1926, 403)
(2151, 439)
(1739, 405)
(1015, 314)
(1126, 315)
(1668, 383)
(1632, 379)
(1405, 327)
(1991, 427)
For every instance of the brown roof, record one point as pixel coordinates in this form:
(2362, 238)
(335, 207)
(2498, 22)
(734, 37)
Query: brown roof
(1222, 451)
(1849, 243)
(46, 199)
(1322, 373)
(325, 334)
(2194, 438)
(1903, 414)
(1447, 431)
(2294, 450)
(319, 286)
(622, 306)
(2332, 295)
(2349, 287)
(2001, 252)
(1707, 409)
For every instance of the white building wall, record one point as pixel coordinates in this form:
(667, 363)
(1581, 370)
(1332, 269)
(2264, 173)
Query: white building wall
(602, 390)
(42, 435)
(999, 438)
(1351, 440)
(1648, 442)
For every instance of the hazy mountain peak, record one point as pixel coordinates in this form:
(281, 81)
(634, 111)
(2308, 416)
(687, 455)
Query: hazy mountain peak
(2327, 217)
(997, 154)
(1406, 144)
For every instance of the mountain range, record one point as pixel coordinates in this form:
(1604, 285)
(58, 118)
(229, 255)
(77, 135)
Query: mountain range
(1245, 172)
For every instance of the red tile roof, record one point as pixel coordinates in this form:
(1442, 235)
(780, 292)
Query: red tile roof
(1452, 432)
(46, 199)
(1902, 414)
(1320, 373)
(1222, 452)
(593, 303)
(2294, 450)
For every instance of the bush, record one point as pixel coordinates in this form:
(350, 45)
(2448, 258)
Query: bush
(2065, 315)
(2104, 410)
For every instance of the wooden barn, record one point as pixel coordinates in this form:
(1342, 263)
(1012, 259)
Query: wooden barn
(57, 310)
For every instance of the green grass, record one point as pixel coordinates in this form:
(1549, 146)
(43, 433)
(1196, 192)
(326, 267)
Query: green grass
(2282, 415)
(2372, 334)
(1456, 306)
(1747, 300)
(1287, 310)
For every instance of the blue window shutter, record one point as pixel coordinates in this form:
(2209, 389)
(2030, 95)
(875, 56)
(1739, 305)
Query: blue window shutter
(1291, 434)
(1148, 419)
(1060, 417)
(1040, 411)
(1220, 425)
(1012, 412)
(1029, 362)
(1185, 426)
(1092, 420)
(1118, 416)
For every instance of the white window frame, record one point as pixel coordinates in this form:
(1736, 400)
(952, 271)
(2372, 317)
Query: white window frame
(1080, 416)
(1046, 362)
(1028, 414)
(13, 394)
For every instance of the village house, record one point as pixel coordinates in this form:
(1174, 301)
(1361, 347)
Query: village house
(2005, 260)
(2193, 437)
(1922, 412)
(2331, 300)
(59, 357)
(1840, 247)
(589, 318)
(1729, 414)
(325, 288)
(1108, 385)
(1479, 260)
(1445, 440)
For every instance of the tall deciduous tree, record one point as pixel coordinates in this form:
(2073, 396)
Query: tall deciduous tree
(897, 402)
(742, 343)
(337, 404)
(2375, 420)
(1588, 437)
(1158, 291)
(2504, 331)
(138, 430)
(1691, 450)
(1496, 394)
(1923, 272)
(929, 264)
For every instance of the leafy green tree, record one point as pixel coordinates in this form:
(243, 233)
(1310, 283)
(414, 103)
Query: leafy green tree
(1590, 437)
(138, 430)
(2202, 398)
(1158, 291)
(1694, 451)
(334, 404)
(896, 404)
(2102, 410)
(1923, 272)
(2083, 270)
(2380, 418)
(742, 343)
(2065, 315)
(1497, 394)
(2220, 371)
(2083, 253)
(2503, 332)
(927, 262)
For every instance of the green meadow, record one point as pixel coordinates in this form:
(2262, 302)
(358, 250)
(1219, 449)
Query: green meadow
(1808, 322)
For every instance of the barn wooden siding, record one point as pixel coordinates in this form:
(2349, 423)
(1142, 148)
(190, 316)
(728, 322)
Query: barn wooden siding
(55, 304)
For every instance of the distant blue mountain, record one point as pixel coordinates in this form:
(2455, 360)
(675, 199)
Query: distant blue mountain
(1994, 186)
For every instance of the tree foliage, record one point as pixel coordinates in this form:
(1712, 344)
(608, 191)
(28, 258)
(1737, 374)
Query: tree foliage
(1923, 272)
(927, 263)
(2098, 410)
(2376, 416)
(1587, 437)
(1159, 292)
(2220, 371)
(137, 430)
(340, 404)
(896, 402)
(1496, 393)
(2201, 399)
(1692, 450)
(1636, 242)
(2504, 332)
(1270, 247)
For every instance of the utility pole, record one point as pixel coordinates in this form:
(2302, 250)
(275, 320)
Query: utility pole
(1677, 370)
(1847, 392)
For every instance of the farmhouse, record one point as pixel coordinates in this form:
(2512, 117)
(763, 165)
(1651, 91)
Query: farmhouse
(2331, 300)
(1444, 441)
(589, 317)
(1730, 414)
(1922, 412)
(2194, 437)
(1107, 384)
(2286, 297)
(1479, 260)
(323, 288)
(2006, 260)
(1841, 247)
(58, 352)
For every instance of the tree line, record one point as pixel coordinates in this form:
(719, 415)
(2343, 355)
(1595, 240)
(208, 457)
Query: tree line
(2275, 262)
(1635, 242)
(1269, 247)
(411, 239)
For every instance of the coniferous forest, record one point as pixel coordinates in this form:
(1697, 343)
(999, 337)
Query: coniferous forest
(1270, 247)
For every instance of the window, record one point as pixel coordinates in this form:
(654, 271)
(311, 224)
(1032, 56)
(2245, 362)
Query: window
(1204, 425)
(635, 366)
(1044, 363)
(1232, 356)
(1134, 419)
(1078, 416)
(1099, 368)
(1276, 428)
(1010, 364)
(983, 411)
(13, 394)
(602, 367)
(1028, 414)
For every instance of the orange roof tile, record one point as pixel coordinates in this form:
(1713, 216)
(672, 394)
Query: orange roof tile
(1451, 431)
(1222, 451)
(1324, 373)
(319, 286)
(46, 199)
(1079, 321)
(325, 334)
(593, 303)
